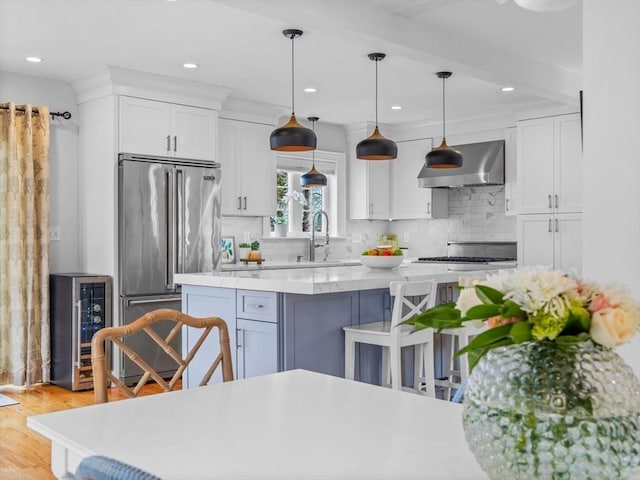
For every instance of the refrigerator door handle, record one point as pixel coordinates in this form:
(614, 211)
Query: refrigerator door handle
(78, 352)
(180, 227)
(171, 229)
(131, 303)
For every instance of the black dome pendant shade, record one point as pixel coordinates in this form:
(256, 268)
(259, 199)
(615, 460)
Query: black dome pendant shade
(313, 178)
(443, 156)
(376, 146)
(292, 137)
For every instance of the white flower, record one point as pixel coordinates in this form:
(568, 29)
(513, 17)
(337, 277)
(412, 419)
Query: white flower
(467, 299)
(612, 326)
(294, 195)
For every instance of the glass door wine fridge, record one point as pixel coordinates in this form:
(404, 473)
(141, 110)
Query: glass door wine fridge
(80, 306)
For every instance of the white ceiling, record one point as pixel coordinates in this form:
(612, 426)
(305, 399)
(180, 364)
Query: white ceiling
(238, 44)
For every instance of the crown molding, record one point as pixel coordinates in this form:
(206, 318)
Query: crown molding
(121, 81)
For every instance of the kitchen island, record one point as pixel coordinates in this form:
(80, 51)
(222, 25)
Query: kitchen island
(292, 318)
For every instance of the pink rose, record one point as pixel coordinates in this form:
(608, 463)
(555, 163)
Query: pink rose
(611, 327)
(598, 302)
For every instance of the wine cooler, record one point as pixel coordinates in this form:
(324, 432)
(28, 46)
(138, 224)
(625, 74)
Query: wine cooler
(80, 306)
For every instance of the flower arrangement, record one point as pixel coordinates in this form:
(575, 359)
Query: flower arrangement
(291, 195)
(535, 304)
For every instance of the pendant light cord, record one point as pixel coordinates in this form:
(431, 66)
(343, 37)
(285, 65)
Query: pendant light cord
(313, 152)
(376, 62)
(443, 117)
(293, 81)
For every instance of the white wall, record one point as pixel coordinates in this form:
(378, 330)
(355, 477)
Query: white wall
(611, 79)
(63, 157)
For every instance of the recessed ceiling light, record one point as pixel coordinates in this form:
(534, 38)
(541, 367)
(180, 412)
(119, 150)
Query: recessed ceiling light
(190, 65)
(34, 59)
(508, 89)
(310, 90)
(396, 107)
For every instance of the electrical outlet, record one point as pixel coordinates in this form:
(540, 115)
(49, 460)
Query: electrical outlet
(356, 238)
(405, 237)
(55, 234)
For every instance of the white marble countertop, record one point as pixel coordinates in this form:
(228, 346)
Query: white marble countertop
(322, 279)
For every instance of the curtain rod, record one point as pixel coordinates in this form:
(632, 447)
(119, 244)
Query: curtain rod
(65, 115)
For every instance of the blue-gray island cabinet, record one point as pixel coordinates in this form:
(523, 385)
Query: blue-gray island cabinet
(293, 318)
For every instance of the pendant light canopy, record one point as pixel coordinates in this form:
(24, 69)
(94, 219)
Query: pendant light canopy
(376, 147)
(292, 137)
(443, 156)
(313, 178)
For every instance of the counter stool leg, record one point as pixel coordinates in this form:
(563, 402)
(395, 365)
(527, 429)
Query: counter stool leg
(349, 357)
(386, 371)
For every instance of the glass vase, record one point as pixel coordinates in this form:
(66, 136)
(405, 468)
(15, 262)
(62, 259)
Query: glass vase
(546, 410)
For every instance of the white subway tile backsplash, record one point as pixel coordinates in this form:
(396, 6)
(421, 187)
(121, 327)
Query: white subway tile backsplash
(475, 214)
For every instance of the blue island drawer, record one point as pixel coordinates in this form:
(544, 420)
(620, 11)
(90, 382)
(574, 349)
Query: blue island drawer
(255, 305)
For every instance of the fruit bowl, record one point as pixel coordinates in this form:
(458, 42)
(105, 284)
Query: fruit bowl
(381, 261)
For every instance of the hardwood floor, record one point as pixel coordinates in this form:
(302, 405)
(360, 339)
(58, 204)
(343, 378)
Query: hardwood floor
(24, 454)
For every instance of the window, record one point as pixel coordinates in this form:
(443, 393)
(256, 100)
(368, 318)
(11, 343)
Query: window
(298, 214)
(297, 206)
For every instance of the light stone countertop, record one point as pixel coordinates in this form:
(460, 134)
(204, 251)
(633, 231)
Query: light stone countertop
(319, 280)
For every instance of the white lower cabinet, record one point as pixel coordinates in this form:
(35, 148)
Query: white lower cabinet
(553, 240)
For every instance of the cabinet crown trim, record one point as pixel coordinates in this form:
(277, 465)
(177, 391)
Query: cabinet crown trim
(114, 80)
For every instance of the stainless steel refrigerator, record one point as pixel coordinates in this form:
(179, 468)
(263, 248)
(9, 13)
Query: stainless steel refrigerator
(169, 222)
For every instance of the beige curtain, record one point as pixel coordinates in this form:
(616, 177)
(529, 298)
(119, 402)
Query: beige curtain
(24, 244)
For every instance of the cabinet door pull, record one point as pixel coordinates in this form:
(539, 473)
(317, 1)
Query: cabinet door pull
(506, 203)
(245, 203)
(557, 201)
(557, 225)
(428, 208)
(239, 203)
(238, 335)
(168, 143)
(371, 209)
(175, 143)
(549, 225)
(550, 202)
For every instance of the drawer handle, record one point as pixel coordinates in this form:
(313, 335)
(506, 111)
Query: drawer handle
(254, 305)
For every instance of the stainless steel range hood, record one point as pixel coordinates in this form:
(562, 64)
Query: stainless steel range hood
(482, 164)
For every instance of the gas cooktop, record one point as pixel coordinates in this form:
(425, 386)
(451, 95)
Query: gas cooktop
(464, 259)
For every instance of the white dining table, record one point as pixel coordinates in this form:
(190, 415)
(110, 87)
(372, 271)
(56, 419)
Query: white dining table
(290, 425)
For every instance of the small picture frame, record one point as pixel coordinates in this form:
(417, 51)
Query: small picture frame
(227, 250)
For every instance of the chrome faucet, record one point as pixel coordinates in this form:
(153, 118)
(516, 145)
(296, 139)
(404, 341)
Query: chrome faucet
(313, 244)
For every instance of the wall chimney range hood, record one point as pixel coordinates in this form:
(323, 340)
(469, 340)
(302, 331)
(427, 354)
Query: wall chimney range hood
(483, 165)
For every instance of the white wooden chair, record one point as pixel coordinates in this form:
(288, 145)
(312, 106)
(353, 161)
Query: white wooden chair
(392, 336)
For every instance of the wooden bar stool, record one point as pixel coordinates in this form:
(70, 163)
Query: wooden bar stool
(410, 298)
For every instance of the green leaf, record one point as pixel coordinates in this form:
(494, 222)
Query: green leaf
(520, 332)
(482, 311)
(475, 355)
(489, 295)
(512, 309)
(581, 337)
(441, 312)
(486, 338)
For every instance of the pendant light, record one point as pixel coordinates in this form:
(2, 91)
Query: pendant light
(376, 147)
(443, 156)
(313, 178)
(292, 137)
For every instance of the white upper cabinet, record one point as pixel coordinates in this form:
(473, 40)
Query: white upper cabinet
(248, 168)
(368, 187)
(165, 129)
(549, 166)
(408, 201)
